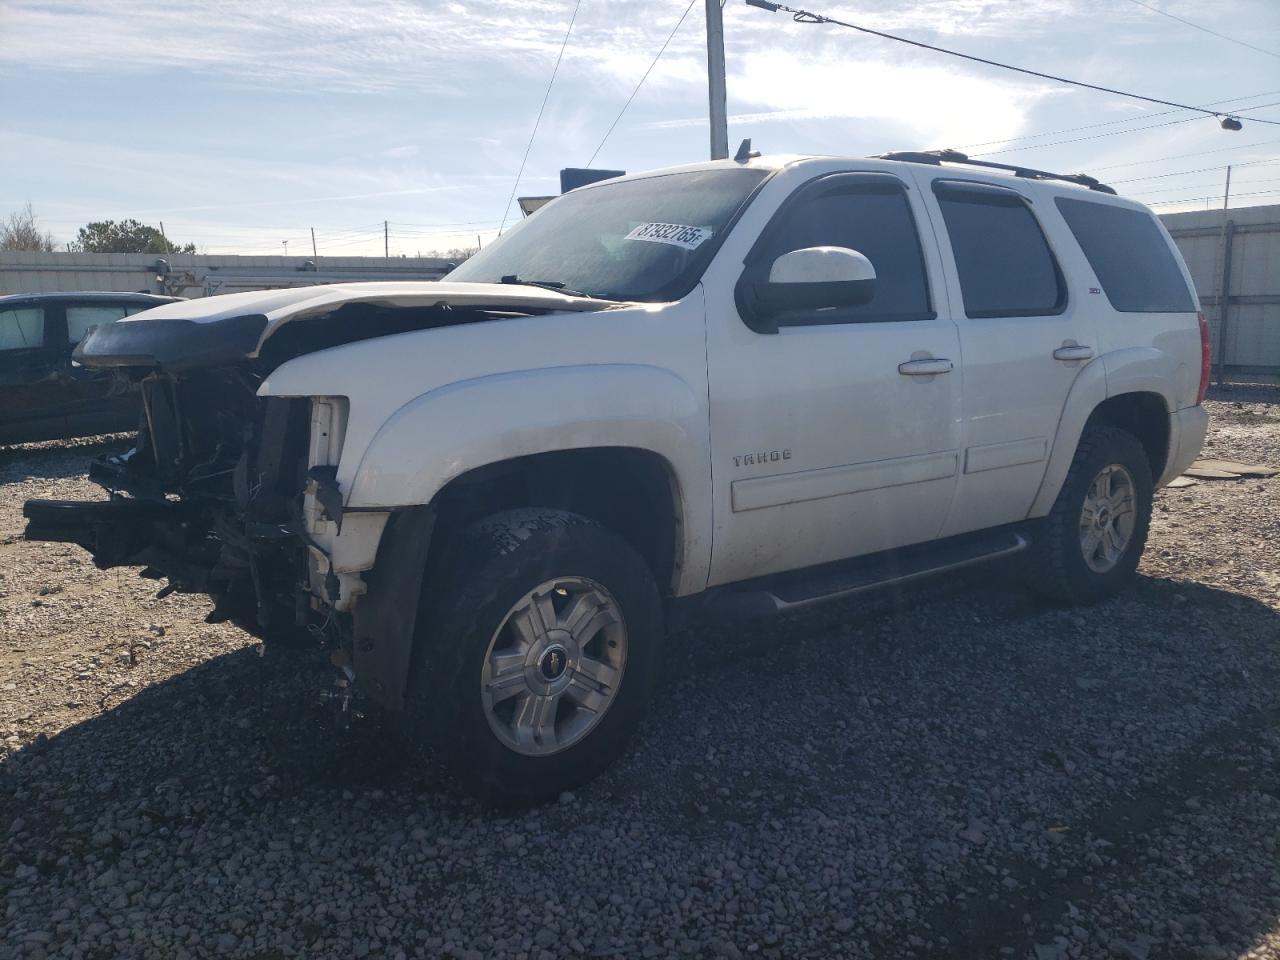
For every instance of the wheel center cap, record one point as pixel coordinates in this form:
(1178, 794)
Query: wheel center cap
(1104, 517)
(553, 661)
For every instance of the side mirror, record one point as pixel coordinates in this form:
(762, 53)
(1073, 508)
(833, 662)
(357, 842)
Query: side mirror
(814, 278)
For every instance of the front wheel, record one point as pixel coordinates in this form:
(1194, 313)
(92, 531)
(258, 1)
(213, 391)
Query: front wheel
(535, 656)
(1092, 540)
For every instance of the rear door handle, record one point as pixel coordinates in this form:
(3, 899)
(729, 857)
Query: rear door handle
(925, 368)
(1073, 352)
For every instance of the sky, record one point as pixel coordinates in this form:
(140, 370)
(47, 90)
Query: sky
(243, 125)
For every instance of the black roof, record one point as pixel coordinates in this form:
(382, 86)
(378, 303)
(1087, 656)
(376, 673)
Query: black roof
(99, 296)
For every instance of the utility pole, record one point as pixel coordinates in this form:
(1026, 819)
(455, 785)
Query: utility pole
(168, 249)
(715, 81)
(313, 242)
(386, 240)
(1224, 291)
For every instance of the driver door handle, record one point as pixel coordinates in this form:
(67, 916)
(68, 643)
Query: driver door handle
(1073, 352)
(925, 368)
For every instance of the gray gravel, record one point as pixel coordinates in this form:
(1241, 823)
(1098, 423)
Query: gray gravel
(954, 772)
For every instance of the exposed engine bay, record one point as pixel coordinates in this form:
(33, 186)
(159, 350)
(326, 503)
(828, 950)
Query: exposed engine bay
(225, 492)
(209, 498)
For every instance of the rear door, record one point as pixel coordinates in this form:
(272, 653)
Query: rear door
(826, 441)
(29, 389)
(1024, 339)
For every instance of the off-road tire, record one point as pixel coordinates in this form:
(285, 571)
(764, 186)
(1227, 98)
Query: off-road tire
(1059, 571)
(488, 568)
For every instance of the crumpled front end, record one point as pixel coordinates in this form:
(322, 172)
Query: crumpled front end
(234, 494)
(212, 498)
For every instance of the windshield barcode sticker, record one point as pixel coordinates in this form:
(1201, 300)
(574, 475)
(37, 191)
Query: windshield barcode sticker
(676, 234)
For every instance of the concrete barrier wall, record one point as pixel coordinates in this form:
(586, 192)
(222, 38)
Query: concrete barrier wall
(196, 275)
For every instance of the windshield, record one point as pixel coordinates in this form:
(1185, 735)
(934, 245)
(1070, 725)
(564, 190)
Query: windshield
(644, 239)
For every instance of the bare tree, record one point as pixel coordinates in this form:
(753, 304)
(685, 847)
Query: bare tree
(20, 231)
(456, 254)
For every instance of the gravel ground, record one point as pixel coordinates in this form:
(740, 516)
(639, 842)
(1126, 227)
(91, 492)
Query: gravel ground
(955, 772)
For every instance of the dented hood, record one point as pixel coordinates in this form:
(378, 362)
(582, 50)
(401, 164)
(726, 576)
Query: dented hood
(230, 327)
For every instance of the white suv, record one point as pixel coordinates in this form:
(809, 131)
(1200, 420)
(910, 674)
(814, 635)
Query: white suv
(742, 386)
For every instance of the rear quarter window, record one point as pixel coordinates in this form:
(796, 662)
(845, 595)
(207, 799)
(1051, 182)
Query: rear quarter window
(1130, 256)
(21, 329)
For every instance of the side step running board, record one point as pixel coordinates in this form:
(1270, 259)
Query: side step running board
(794, 590)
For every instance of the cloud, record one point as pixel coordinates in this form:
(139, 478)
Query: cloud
(421, 109)
(381, 45)
(936, 105)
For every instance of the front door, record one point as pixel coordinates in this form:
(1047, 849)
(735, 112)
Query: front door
(831, 437)
(1024, 340)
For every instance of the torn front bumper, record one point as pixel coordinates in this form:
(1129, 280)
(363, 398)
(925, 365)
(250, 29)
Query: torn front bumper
(123, 531)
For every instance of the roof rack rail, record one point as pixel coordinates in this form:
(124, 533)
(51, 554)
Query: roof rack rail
(937, 157)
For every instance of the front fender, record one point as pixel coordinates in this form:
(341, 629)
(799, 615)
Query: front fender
(456, 428)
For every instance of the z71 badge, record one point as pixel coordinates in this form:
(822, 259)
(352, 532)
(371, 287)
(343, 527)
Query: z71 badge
(763, 456)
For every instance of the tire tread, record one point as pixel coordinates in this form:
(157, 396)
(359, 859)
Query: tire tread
(1051, 572)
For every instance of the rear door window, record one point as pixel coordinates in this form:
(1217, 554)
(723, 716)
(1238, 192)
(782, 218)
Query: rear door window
(1005, 265)
(1130, 256)
(81, 318)
(22, 329)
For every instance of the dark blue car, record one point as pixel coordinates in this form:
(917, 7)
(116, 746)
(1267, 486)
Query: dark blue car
(43, 396)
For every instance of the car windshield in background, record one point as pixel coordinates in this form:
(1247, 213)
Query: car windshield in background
(644, 239)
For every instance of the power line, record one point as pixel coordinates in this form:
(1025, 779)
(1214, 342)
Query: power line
(1112, 123)
(1183, 156)
(452, 223)
(1183, 173)
(805, 16)
(1111, 133)
(661, 51)
(1096, 136)
(538, 120)
(1218, 197)
(372, 239)
(1197, 186)
(1196, 26)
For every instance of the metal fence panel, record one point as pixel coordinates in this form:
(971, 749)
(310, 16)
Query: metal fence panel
(1246, 328)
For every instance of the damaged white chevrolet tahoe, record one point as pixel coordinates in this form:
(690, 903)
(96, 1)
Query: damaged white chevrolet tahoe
(742, 387)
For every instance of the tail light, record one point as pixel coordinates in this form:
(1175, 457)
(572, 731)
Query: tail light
(1206, 352)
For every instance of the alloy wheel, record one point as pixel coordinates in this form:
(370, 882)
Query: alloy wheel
(554, 666)
(1107, 518)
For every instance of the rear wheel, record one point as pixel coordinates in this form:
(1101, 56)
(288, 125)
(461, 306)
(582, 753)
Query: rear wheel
(535, 655)
(1093, 538)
